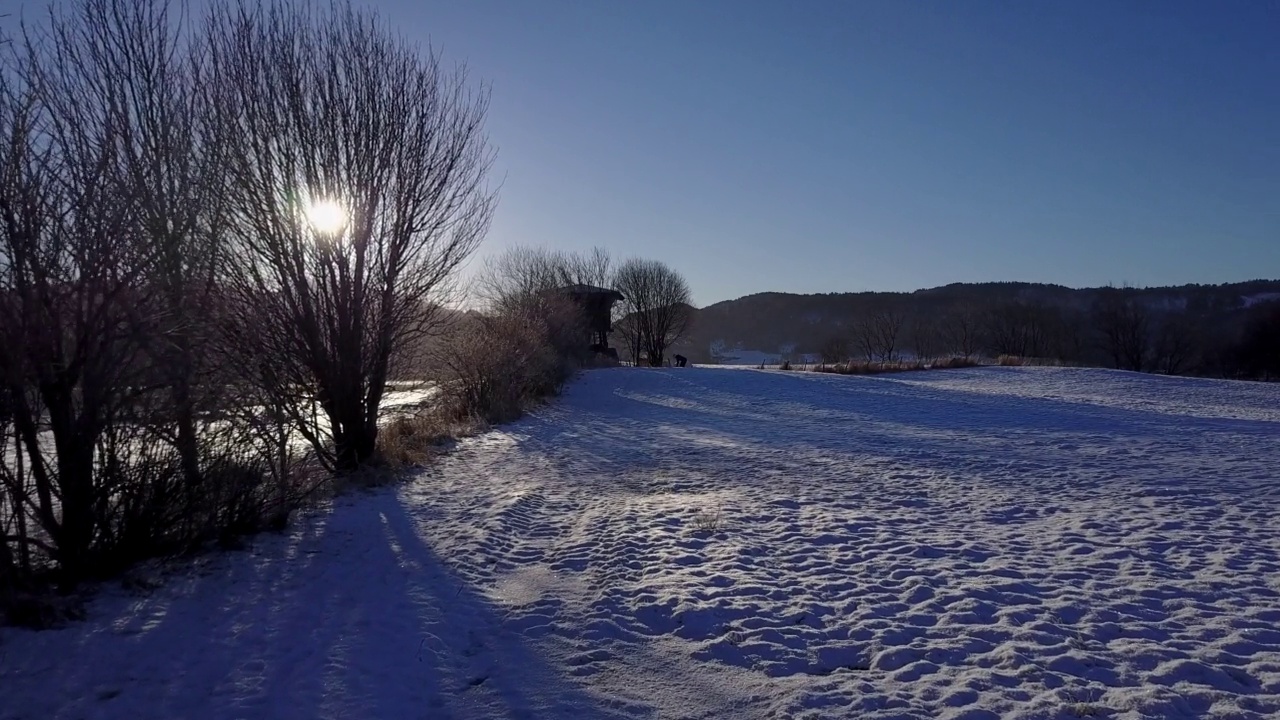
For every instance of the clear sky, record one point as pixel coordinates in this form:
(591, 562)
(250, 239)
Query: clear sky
(853, 145)
(848, 145)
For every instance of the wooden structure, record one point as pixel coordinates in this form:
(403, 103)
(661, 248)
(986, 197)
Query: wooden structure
(597, 306)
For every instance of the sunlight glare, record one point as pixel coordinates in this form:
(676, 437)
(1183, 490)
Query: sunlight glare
(327, 216)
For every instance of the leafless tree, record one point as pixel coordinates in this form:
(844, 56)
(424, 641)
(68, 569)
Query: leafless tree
(71, 281)
(135, 61)
(594, 268)
(1019, 328)
(630, 335)
(926, 337)
(356, 189)
(864, 337)
(1004, 332)
(877, 333)
(657, 308)
(520, 272)
(1123, 325)
(962, 331)
(1175, 345)
(1070, 340)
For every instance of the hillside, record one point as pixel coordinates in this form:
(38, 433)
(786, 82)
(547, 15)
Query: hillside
(718, 543)
(801, 324)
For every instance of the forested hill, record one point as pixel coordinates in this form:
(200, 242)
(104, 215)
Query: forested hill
(1066, 320)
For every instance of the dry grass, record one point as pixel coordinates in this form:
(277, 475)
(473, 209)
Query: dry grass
(1019, 361)
(413, 441)
(707, 522)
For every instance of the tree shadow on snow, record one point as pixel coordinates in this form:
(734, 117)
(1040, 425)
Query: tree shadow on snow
(351, 615)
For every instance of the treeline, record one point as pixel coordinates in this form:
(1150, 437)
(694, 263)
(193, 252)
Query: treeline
(1119, 329)
(221, 239)
(1184, 332)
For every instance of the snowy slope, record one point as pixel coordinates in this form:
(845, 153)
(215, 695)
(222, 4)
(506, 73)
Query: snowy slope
(704, 543)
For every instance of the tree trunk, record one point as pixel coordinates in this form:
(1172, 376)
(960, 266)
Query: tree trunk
(188, 440)
(75, 533)
(355, 440)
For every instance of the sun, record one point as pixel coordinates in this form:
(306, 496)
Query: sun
(327, 217)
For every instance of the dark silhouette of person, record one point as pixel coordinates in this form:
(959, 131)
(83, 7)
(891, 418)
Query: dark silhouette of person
(681, 361)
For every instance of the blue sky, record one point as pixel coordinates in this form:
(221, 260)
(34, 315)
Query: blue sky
(848, 145)
(844, 146)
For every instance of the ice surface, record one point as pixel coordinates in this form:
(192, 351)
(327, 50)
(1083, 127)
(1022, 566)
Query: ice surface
(705, 543)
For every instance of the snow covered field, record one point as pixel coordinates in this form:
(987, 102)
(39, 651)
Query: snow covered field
(703, 543)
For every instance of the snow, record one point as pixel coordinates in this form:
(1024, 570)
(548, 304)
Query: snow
(755, 358)
(713, 543)
(1251, 300)
(749, 357)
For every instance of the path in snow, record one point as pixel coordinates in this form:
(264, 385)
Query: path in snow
(1001, 542)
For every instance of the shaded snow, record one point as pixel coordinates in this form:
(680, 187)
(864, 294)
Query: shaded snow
(1002, 542)
(755, 358)
(1251, 300)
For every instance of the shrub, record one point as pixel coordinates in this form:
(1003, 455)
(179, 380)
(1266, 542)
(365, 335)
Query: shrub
(158, 513)
(499, 365)
(1010, 361)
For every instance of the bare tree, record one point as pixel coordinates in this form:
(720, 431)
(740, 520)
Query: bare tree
(630, 333)
(70, 279)
(356, 189)
(877, 333)
(926, 337)
(521, 271)
(864, 337)
(1123, 327)
(594, 268)
(657, 308)
(1071, 339)
(1019, 328)
(135, 61)
(1175, 345)
(962, 330)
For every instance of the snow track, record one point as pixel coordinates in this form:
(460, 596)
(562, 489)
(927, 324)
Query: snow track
(705, 543)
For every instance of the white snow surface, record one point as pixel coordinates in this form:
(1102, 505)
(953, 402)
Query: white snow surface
(706, 543)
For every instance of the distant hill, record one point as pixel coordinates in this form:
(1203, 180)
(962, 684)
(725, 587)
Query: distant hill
(795, 324)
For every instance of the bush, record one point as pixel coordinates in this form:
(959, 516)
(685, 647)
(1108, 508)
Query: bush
(501, 364)
(158, 512)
